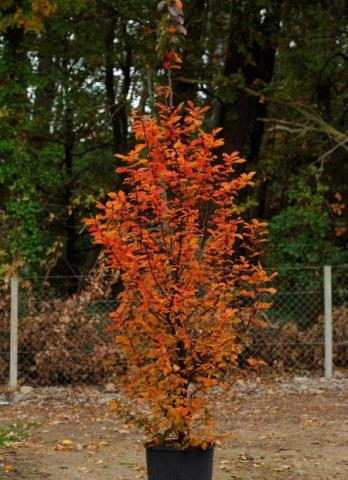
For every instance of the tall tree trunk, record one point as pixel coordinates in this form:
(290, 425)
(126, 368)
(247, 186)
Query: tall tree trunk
(239, 118)
(15, 81)
(45, 92)
(68, 194)
(117, 109)
(195, 16)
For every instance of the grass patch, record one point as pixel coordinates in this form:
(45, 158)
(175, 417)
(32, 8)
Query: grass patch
(32, 423)
(11, 434)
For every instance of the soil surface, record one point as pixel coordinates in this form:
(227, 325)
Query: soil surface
(285, 429)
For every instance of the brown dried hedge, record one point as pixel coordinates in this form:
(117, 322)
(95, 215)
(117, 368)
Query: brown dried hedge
(65, 340)
(288, 347)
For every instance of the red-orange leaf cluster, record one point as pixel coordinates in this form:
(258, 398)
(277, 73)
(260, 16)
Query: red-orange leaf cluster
(171, 31)
(187, 261)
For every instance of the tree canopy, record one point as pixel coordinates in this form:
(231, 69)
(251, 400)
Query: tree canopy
(274, 72)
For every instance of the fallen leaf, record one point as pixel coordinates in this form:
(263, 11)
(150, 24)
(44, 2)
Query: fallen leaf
(64, 445)
(9, 468)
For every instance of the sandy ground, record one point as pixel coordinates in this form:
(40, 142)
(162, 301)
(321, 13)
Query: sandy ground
(290, 429)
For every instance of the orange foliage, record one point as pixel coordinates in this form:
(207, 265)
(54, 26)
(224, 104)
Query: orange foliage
(32, 21)
(184, 253)
(171, 31)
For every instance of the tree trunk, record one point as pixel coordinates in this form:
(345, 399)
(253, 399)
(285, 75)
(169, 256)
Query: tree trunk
(45, 92)
(240, 117)
(117, 109)
(195, 16)
(68, 194)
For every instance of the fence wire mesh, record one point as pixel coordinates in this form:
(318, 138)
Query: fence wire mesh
(340, 316)
(62, 338)
(4, 329)
(292, 338)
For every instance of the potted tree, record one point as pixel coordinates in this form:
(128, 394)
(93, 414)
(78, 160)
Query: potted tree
(190, 278)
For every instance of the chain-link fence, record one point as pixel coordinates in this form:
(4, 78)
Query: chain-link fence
(340, 316)
(63, 339)
(296, 329)
(5, 299)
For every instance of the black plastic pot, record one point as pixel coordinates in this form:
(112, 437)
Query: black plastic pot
(165, 463)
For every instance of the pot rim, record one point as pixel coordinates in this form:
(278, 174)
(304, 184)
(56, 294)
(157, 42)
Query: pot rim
(168, 448)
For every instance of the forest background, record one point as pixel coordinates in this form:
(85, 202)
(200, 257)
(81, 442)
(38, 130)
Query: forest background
(275, 73)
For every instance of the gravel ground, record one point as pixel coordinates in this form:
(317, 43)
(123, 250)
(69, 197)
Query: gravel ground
(283, 429)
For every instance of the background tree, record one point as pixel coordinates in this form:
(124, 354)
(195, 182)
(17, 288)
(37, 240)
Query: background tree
(275, 73)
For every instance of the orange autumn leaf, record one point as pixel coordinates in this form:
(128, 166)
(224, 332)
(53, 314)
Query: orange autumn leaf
(188, 264)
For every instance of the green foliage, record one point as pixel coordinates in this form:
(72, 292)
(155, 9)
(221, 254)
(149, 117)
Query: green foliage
(300, 245)
(301, 233)
(275, 74)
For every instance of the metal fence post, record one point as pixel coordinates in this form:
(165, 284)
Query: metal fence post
(328, 321)
(14, 333)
